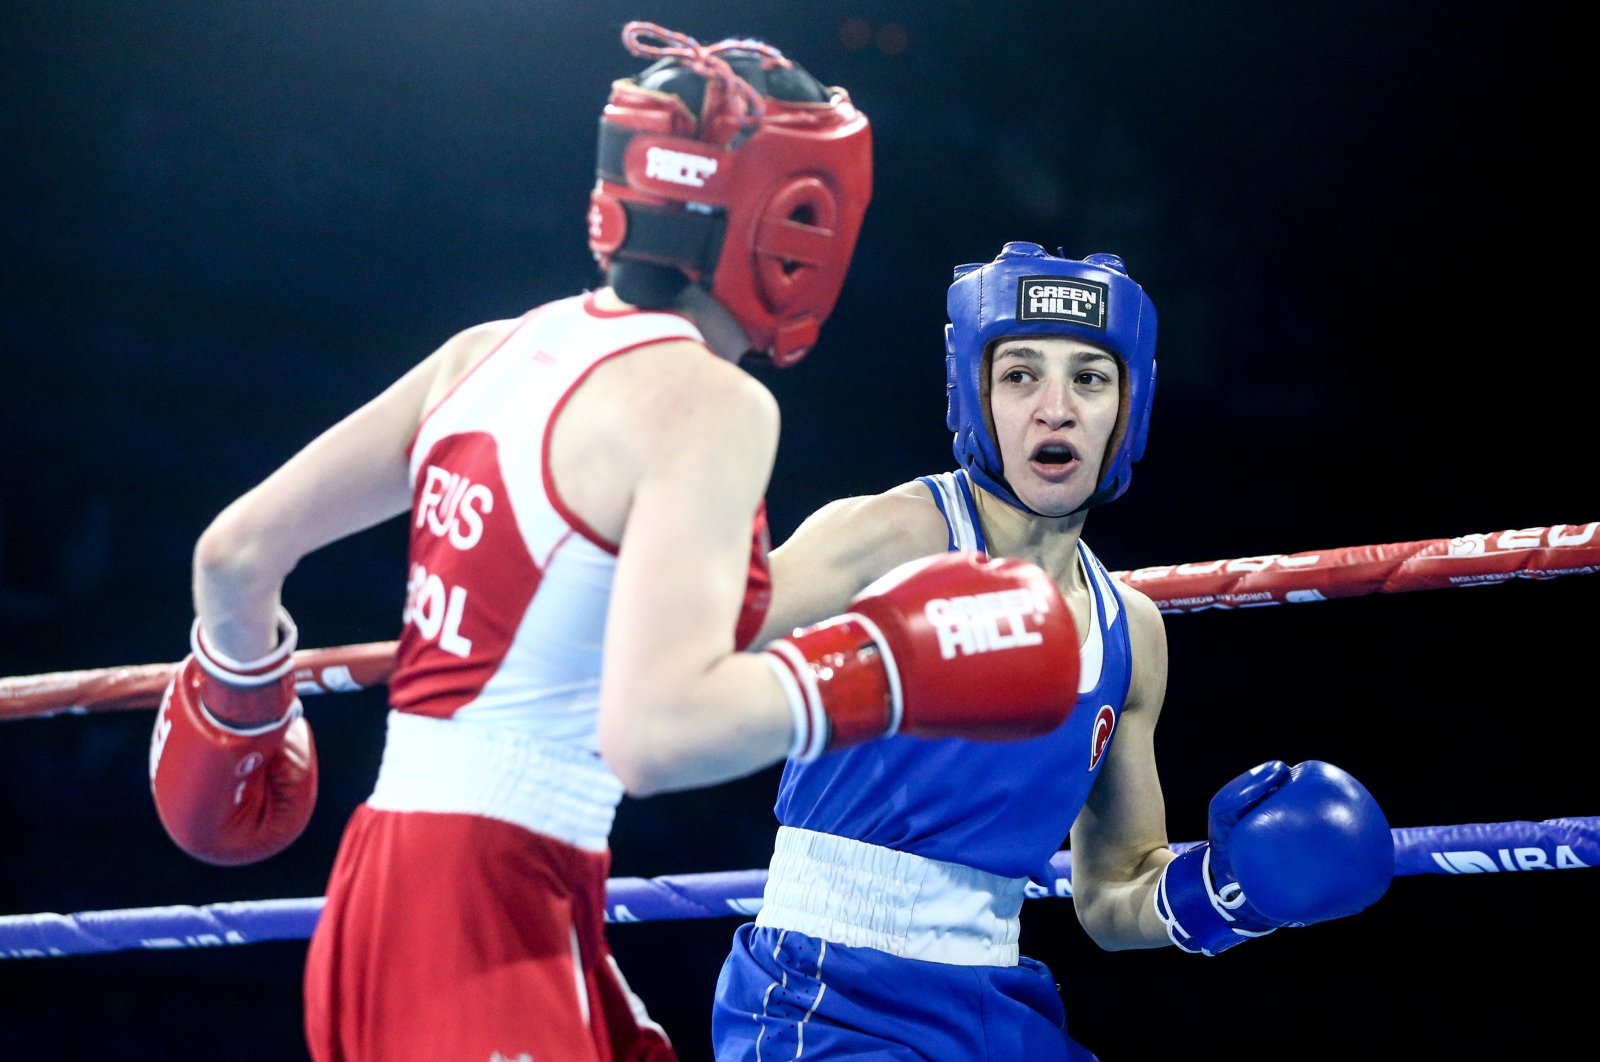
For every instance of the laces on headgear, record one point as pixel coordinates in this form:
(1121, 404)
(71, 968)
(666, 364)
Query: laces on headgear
(704, 60)
(771, 58)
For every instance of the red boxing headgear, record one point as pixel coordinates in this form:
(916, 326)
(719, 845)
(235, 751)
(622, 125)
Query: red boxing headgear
(757, 199)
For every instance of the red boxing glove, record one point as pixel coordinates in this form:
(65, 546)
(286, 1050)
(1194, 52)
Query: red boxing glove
(232, 765)
(954, 645)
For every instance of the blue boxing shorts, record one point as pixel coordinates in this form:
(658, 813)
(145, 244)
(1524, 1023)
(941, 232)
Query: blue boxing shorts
(866, 952)
(783, 995)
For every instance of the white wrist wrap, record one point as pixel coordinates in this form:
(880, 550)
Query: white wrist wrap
(245, 673)
(811, 727)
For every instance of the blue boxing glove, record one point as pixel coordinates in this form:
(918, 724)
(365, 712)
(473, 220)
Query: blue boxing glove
(1288, 846)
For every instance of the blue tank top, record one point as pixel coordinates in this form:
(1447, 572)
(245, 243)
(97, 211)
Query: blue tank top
(1002, 807)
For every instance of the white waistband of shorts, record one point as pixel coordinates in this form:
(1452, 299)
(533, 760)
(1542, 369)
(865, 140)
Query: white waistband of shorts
(864, 895)
(446, 765)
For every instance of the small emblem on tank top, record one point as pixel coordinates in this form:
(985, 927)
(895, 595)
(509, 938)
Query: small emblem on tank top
(1105, 721)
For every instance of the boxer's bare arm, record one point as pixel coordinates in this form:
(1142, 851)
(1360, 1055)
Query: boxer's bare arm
(1119, 841)
(843, 546)
(671, 449)
(349, 478)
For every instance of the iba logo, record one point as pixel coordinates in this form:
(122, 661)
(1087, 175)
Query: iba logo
(1526, 858)
(1062, 299)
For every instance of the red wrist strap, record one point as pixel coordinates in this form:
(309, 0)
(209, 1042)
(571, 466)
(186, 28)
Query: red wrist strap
(846, 675)
(247, 693)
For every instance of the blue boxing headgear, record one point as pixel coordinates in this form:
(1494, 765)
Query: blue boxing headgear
(1026, 291)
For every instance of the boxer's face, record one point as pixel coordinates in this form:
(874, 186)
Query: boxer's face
(1053, 404)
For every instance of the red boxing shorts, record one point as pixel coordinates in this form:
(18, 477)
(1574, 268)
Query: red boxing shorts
(462, 937)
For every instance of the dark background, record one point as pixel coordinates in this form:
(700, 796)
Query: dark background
(227, 224)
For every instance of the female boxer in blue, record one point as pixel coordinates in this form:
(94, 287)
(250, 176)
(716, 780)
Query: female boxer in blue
(890, 922)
